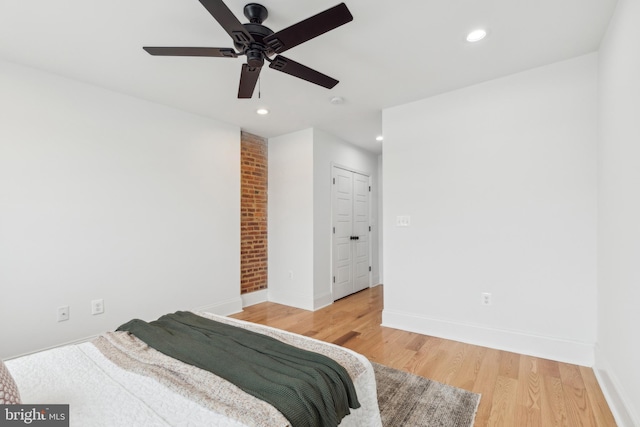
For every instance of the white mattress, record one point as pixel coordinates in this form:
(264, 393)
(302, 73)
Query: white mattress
(101, 393)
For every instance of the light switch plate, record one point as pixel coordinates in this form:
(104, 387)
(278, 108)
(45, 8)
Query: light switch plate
(403, 221)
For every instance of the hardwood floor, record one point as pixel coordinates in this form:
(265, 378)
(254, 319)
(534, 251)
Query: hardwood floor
(517, 390)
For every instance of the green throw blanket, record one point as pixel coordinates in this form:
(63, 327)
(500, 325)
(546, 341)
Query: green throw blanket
(308, 388)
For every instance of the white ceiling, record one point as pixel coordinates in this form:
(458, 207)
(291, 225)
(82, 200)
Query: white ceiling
(393, 52)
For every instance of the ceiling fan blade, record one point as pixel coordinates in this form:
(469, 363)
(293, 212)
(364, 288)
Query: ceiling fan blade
(248, 79)
(309, 28)
(303, 72)
(218, 52)
(227, 20)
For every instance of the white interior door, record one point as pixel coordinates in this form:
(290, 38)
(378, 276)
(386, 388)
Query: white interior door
(351, 251)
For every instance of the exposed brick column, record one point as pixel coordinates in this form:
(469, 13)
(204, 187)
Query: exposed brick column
(253, 209)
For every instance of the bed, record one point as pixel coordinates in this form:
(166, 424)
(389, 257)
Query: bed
(117, 380)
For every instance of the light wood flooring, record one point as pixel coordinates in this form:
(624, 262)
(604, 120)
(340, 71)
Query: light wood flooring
(517, 390)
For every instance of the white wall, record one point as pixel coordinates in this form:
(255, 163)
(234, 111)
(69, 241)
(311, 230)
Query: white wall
(619, 215)
(300, 214)
(329, 150)
(290, 222)
(106, 196)
(500, 182)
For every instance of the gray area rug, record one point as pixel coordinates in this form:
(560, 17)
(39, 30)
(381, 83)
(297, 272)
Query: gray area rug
(412, 401)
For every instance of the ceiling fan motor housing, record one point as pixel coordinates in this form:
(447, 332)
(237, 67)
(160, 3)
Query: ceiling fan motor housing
(258, 32)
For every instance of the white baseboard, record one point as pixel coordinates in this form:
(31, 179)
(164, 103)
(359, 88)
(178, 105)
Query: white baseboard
(64, 344)
(578, 353)
(264, 295)
(322, 301)
(292, 299)
(618, 403)
(223, 308)
(253, 298)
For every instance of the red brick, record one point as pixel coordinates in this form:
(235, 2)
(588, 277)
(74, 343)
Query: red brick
(253, 209)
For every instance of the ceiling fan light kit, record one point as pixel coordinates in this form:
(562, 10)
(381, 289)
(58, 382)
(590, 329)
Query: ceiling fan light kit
(259, 43)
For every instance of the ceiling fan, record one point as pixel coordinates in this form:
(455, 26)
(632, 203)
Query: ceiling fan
(258, 43)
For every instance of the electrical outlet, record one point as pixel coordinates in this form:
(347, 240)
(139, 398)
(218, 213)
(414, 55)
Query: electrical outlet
(63, 313)
(290, 275)
(97, 306)
(485, 298)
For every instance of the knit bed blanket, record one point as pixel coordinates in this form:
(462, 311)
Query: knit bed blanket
(307, 388)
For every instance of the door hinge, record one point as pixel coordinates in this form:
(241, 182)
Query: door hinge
(369, 268)
(369, 229)
(334, 180)
(334, 230)
(334, 279)
(369, 188)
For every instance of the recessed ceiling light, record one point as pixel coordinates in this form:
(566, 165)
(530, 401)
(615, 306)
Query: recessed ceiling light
(379, 138)
(262, 111)
(476, 35)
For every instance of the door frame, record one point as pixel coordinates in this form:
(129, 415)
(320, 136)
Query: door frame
(334, 165)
